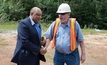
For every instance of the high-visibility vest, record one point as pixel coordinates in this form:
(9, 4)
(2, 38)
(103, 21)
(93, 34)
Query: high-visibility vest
(72, 33)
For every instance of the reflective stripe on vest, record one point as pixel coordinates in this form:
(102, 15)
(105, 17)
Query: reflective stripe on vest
(72, 33)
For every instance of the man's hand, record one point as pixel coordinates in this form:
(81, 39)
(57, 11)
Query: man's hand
(42, 51)
(83, 58)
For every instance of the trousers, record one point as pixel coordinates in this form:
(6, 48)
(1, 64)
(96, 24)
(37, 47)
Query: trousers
(68, 59)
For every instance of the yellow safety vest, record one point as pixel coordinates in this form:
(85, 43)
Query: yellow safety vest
(72, 33)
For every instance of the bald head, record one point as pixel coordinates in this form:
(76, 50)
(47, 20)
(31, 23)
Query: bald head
(35, 9)
(36, 14)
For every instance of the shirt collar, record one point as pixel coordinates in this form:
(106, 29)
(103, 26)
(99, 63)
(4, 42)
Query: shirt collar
(32, 22)
(68, 23)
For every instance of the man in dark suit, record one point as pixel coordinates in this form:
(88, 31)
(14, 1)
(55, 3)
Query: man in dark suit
(29, 49)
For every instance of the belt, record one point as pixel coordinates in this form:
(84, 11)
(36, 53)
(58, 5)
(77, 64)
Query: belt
(66, 53)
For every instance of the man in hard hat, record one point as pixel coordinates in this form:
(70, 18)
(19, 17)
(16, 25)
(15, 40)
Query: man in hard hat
(65, 35)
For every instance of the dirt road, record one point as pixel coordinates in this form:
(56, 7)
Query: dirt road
(96, 49)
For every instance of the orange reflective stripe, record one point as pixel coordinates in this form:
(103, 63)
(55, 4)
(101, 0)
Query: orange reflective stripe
(55, 30)
(72, 33)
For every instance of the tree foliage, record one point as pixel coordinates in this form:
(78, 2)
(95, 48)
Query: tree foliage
(86, 11)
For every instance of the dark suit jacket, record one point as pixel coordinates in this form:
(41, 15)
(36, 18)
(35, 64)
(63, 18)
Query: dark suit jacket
(28, 45)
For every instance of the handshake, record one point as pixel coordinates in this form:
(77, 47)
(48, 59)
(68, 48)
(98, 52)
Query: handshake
(43, 42)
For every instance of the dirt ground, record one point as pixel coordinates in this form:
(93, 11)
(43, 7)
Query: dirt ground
(96, 49)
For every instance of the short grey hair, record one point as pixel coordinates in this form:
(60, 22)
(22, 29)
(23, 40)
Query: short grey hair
(34, 9)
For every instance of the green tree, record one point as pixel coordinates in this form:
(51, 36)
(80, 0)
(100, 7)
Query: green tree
(86, 11)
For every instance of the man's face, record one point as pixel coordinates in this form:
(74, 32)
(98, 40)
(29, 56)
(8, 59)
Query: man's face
(64, 17)
(36, 16)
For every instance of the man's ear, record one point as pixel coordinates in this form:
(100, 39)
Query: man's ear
(31, 13)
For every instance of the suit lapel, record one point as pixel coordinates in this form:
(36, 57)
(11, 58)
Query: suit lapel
(34, 30)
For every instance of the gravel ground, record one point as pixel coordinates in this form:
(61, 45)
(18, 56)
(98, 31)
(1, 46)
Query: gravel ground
(96, 47)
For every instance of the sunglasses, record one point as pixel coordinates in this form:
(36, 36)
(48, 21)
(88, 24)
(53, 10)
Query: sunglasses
(62, 13)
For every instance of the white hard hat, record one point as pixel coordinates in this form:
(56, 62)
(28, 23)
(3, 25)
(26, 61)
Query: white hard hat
(63, 8)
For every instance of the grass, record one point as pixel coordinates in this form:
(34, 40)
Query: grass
(92, 31)
(13, 26)
(8, 26)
